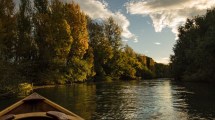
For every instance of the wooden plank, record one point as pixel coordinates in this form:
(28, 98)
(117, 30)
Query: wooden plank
(32, 114)
(58, 115)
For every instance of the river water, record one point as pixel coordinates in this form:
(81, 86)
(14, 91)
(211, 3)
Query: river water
(134, 100)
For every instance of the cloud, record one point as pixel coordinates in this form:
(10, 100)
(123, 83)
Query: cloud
(157, 43)
(124, 23)
(124, 40)
(98, 9)
(169, 13)
(104, 2)
(135, 39)
(164, 60)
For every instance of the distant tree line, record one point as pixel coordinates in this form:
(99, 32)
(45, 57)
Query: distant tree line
(50, 42)
(194, 52)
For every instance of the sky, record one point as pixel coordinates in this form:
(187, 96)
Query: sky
(149, 26)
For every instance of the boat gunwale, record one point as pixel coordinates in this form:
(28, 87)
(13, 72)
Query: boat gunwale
(13, 106)
(43, 99)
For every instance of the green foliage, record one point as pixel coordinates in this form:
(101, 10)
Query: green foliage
(9, 70)
(42, 40)
(78, 70)
(7, 29)
(162, 70)
(80, 58)
(102, 49)
(53, 39)
(52, 42)
(194, 49)
(113, 33)
(10, 77)
(141, 64)
(111, 58)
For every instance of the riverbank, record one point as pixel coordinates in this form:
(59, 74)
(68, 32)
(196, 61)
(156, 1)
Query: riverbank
(44, 86)
(25, 88)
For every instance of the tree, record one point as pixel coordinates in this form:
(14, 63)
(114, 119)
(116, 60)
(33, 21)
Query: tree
(41, 20)
(195, 44)
(78, 66)
(25, 46)
(78, 22)
(7, 29)
(54, 40)
(102, 49)
(113, 33)
(60, 42)
(162, 70)
(9, 74)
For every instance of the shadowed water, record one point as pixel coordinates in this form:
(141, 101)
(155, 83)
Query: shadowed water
(135, 100)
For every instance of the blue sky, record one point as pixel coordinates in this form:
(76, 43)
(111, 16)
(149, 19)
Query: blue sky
(157, 45)
(149, 26)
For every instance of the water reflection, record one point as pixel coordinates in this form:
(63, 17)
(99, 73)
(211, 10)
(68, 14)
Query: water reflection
(201, 101)
(79, 98)
(136, 100)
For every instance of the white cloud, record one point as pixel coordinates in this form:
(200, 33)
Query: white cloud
(135, 39)
(104, 2)
(98, 9)
(164, 60)
(157, 43)
(124, 40)
(169, 13)
(124, 23)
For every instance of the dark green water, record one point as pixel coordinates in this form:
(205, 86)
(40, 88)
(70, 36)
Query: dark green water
(134, 100)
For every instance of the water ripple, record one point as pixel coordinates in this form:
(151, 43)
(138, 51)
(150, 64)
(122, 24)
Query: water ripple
(136, 100)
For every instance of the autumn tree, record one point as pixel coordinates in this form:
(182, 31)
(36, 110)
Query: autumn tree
(77, 20)
(78, 66)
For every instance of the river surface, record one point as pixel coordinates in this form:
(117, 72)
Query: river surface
(134, 100)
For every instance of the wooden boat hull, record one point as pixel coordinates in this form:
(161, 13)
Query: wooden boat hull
(36, 106)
